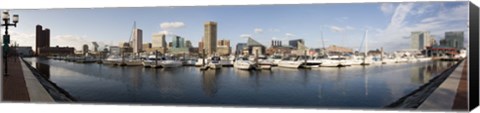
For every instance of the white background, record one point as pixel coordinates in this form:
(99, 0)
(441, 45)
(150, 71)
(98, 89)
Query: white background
(94, 108)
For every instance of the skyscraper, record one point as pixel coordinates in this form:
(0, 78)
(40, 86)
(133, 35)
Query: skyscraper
(38, 37)
(137, 40)
(223, 47)
(421, 40)
(454, 39)
(42, 38)
(210, 37)
(294, 43)
(178, 42)
(158, 40)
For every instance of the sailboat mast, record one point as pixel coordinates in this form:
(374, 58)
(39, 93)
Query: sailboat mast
(323, 42)
(366, 44)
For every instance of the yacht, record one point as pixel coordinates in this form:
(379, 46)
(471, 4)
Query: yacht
(423, 59)
(132, 62)
(152, 61)
(243, 63)
(226, 61)
(275, 59)
(356, 60)
(170, 62)
(336, 61)
(215, 62)
(315, 61)
(201, 62)
(264, 62)
(190, 62)
(388, 60)
(113, 60)
(290, 62)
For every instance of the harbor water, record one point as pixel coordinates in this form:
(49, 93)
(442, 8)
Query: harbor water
(371, 86)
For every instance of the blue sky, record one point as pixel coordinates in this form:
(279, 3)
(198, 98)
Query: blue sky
(389, 24)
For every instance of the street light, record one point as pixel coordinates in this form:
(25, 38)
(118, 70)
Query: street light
(6, 37)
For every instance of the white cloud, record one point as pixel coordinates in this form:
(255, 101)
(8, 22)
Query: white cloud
(28, 39)
(23, 39)
(289, 34)
(394, 36)
(171, 25)
(387, 8)
(258, 30)
(245, 35)
(336, 28)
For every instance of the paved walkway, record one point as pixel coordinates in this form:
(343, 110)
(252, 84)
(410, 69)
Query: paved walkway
(14, 86)
(21, 85)
(452, 94)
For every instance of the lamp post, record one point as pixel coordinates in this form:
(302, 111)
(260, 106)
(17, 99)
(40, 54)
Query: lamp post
(6, 37)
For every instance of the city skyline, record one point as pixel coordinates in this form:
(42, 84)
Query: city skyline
(341, 24)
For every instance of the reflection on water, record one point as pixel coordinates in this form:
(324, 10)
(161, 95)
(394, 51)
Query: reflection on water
(356, 86)
(44, 69)
(209, 82)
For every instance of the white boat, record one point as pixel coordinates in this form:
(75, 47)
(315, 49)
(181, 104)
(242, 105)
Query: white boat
(315, 61)
(113, 60)
(423, 59)
(388, 61)
(201, 62)
(152, 61)
(355, 60)
(171, 63)
(336, 61)
(132, 62)
(275, 59)
(190, 62)
(215, 63)
(242, 63)
(290, 63)
(401, 60)
(226, 61)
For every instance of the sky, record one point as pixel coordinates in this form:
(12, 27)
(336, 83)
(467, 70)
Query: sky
(344, 24)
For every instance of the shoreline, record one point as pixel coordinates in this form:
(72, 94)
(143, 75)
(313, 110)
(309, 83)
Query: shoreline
(58, 94)
(414, 99)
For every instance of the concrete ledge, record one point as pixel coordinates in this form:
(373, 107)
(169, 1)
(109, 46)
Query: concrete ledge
(444, 96)
(36, 91)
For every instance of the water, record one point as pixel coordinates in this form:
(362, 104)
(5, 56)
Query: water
(367, 87)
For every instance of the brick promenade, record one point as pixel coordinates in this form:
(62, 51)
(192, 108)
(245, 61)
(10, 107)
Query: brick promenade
(14, 86)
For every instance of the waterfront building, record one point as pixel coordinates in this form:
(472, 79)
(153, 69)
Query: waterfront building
(239, 48)
(223, 47)
(146, 46)
(24, 51)
(49, 51)
(188, 44)
(178, 46)
(279, 50)
(114, 50)
(125, 47)
(210, 37)
(42, 38)
(276, 43)
(421, 40)
(85, 48)
(254, 46)
(158, 43)
(137, 40)
(334, 49)
(294, 43)
(454, 39)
